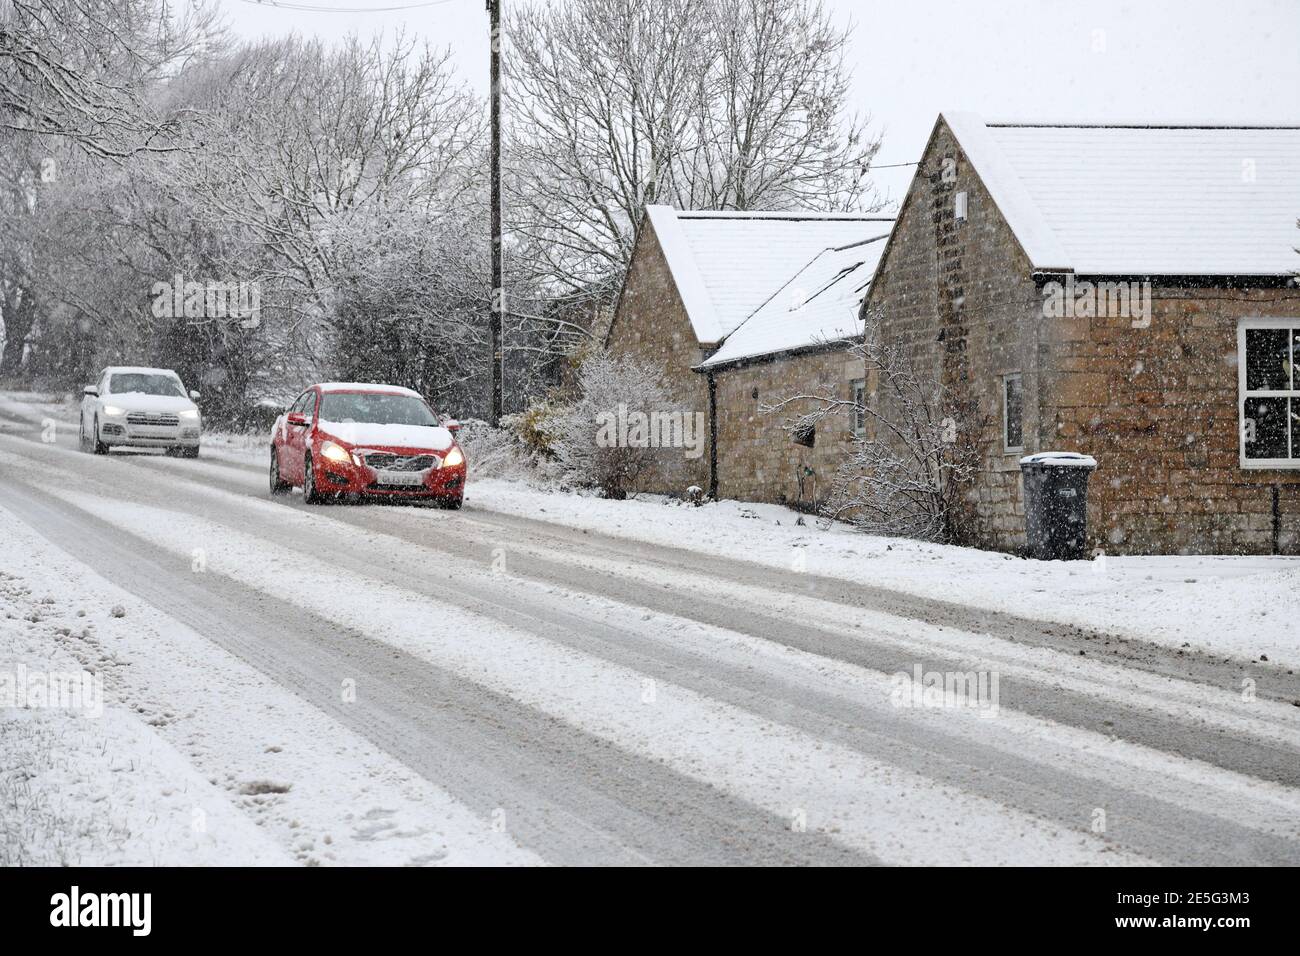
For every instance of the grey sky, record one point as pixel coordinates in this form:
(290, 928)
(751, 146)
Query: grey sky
(1098, 60)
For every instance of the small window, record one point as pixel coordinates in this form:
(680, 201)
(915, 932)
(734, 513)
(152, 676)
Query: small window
(1013, 414)
(859, 417)
(1269, 390)
(959, 207)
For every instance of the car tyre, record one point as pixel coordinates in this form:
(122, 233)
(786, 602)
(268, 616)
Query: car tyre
(309, 493)
(190, 451)
(278, 485)
(97, 446)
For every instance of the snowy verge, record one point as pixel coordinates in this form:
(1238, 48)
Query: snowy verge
(110, 792)
(1240, 606)
(92, 784)
(198, 758)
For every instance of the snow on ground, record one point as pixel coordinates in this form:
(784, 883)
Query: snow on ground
(1242, 606)
(198, 758)
(111, 792)
(93, 783)
(852, 798)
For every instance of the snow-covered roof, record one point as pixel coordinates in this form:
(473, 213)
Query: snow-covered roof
(820, 303)
(365, 387)
(727, 264)
(1143, 200)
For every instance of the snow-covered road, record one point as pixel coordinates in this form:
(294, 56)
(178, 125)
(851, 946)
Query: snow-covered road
(370, 684)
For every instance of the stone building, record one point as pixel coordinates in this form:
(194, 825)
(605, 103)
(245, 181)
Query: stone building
(741, 310)
(1126, 292)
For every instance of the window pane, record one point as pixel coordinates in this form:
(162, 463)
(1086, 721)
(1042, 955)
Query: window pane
(1265, 427)
(1014, 437)
(1295, 358)
(1268, 359)
(859, 415)
(1295, 427)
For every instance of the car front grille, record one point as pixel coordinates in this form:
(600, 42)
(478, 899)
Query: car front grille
(146, 418)
(387, 461)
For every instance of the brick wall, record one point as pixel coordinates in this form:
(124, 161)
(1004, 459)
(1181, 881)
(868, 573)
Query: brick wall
(757, 459)
(651, 325)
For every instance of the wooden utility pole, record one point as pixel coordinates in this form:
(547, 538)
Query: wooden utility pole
(498, 290)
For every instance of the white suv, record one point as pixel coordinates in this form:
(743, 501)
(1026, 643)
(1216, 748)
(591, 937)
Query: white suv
(140, 408)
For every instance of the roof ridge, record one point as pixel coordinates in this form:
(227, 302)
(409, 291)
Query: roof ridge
(1011, 124)
(851, 245)
(800, 216)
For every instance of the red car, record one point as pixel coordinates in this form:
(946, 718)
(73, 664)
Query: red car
(345, 438)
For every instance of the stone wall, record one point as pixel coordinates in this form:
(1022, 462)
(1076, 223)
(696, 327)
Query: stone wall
(651, 325)
(1158, 407)
(758, 460)
(958, 298)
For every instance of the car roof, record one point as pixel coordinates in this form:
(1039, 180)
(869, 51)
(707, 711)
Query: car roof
(139, 370)
(365, 387)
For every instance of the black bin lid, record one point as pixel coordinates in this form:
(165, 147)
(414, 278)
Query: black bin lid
(1058, 459)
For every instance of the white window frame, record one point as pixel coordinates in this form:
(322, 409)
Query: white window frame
(1257, 464)
(858, 394)
(1012, 449)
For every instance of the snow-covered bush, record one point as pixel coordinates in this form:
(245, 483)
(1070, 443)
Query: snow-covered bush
(534, 428)
(595, 441)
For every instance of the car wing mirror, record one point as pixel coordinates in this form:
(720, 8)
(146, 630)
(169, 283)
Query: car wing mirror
(451, 425)
(297, 420)
(91, 390)
(194, 396)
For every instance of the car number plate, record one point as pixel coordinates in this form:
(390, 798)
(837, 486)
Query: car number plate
(400, 477)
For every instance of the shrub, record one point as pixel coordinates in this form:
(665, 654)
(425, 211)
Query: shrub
(589, 448)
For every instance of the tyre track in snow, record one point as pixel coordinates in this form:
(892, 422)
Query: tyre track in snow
(573, 798)
(446, 532)
(1272, 681)
(1149, 826)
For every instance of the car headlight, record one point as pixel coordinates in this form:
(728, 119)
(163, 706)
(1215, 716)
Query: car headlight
(190, 415)
(334, 452)
(454, 458)
(114, 410)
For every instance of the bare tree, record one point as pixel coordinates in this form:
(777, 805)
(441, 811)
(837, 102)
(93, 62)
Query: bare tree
(918, 453)
(86, 70)
(719, 104)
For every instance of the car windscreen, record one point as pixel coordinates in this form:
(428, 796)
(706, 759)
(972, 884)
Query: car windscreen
(380, 408)
(142, 383)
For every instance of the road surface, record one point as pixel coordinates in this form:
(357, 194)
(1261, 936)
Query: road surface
(605, 701)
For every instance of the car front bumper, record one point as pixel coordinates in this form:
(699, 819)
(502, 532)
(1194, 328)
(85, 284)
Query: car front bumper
(349, 479)
(117, 434)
